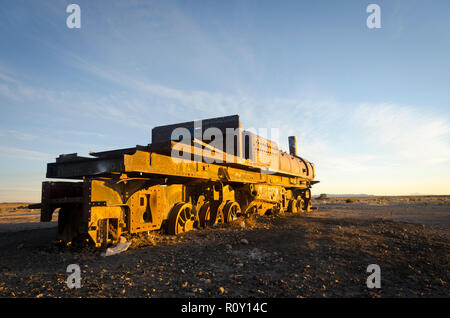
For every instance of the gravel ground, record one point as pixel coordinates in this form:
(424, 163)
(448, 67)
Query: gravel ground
(319, 254)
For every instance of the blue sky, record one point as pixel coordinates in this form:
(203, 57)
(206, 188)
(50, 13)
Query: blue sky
(370, 107)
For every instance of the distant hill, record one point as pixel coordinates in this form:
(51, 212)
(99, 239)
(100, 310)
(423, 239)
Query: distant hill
(345, 195)
(380, 195)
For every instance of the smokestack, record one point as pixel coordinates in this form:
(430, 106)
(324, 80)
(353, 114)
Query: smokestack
(293, 145)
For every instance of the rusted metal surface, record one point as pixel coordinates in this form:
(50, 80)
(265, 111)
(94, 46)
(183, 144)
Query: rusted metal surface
(293, 145)
(145, 188)
(164, 133)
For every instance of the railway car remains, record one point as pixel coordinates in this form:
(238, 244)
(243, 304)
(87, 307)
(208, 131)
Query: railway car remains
(193, 175)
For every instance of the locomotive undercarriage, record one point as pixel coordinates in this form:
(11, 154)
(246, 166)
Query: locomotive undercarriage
(102, 209)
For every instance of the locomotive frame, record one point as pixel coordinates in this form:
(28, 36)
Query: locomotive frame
(143, 188)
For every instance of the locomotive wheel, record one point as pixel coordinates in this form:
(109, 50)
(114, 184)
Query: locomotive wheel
(308, 206)
(204, 215)
(300, 205)
(292, 206)
(277, 209)
(181, 219)
(220, 218)
(251, 209)
(211, 213)
(231, 211)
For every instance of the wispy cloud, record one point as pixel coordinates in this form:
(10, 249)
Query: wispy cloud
(16, 90)
(138, 64)
(405, 131)
(7, 78)
(18, 135)
(19, 153)
(402, 132)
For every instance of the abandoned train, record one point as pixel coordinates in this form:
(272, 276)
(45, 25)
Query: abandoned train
(185, 178)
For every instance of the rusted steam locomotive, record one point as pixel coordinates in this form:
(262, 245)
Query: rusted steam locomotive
(193, 174)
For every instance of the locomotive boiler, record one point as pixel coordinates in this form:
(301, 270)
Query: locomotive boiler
(193, 175)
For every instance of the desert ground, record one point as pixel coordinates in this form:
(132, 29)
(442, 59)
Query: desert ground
(324, 253)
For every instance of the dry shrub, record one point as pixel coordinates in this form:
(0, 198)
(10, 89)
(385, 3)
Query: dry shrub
(145, 239)
(237, 224)
(251, 222)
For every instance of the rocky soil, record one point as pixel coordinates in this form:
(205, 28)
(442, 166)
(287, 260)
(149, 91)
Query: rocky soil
(320, 254)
